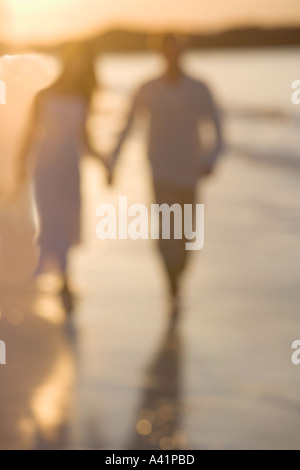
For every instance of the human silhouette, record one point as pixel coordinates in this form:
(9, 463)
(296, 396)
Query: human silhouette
(56, 139)
(177, 106)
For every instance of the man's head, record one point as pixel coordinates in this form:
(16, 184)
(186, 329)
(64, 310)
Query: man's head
(172, 49)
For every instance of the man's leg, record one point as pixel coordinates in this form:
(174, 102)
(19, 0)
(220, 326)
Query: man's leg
(173, 251)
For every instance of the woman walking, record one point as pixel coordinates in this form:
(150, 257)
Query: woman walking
(56, 139)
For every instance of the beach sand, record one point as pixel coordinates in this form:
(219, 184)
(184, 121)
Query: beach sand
(111, 376)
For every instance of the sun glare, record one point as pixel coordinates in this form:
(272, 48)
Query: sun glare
(48, 20)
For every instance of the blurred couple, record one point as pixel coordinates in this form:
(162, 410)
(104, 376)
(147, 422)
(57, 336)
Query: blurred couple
(175, 104)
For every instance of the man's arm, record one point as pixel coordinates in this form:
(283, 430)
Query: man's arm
(212, 115)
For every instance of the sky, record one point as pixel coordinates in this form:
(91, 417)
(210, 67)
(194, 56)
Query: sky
(48, 20)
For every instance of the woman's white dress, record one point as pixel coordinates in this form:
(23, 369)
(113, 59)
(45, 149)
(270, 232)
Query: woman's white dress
(57, 175)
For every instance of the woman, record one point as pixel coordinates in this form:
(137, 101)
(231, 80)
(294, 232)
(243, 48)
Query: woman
(54, 144)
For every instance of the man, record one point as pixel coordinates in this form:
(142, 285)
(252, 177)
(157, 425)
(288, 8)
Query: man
(176, 105)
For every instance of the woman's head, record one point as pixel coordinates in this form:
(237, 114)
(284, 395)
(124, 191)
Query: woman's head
(78, 75)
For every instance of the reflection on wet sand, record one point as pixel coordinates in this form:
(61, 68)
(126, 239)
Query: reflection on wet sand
(37, 383)
(52, 399)
(158, 420)
(53, 302)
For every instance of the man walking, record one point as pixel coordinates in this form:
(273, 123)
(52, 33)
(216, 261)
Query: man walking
(177, 105)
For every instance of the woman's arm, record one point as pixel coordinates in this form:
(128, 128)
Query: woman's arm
(136, 104)
(88, 145)
(22, 162)
(212, 156)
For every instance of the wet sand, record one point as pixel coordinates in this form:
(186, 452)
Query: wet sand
(111, 376)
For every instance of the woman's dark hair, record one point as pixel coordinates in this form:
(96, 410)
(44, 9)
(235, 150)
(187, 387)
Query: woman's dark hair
(86, 84)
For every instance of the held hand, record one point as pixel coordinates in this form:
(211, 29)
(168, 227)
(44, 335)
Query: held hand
(105, 161)
(110, 178)
(110, 173)
(207, 166)
(207, 172)
(110, 169)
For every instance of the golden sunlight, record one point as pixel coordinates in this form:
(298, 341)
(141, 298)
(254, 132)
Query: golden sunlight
(48, 20)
